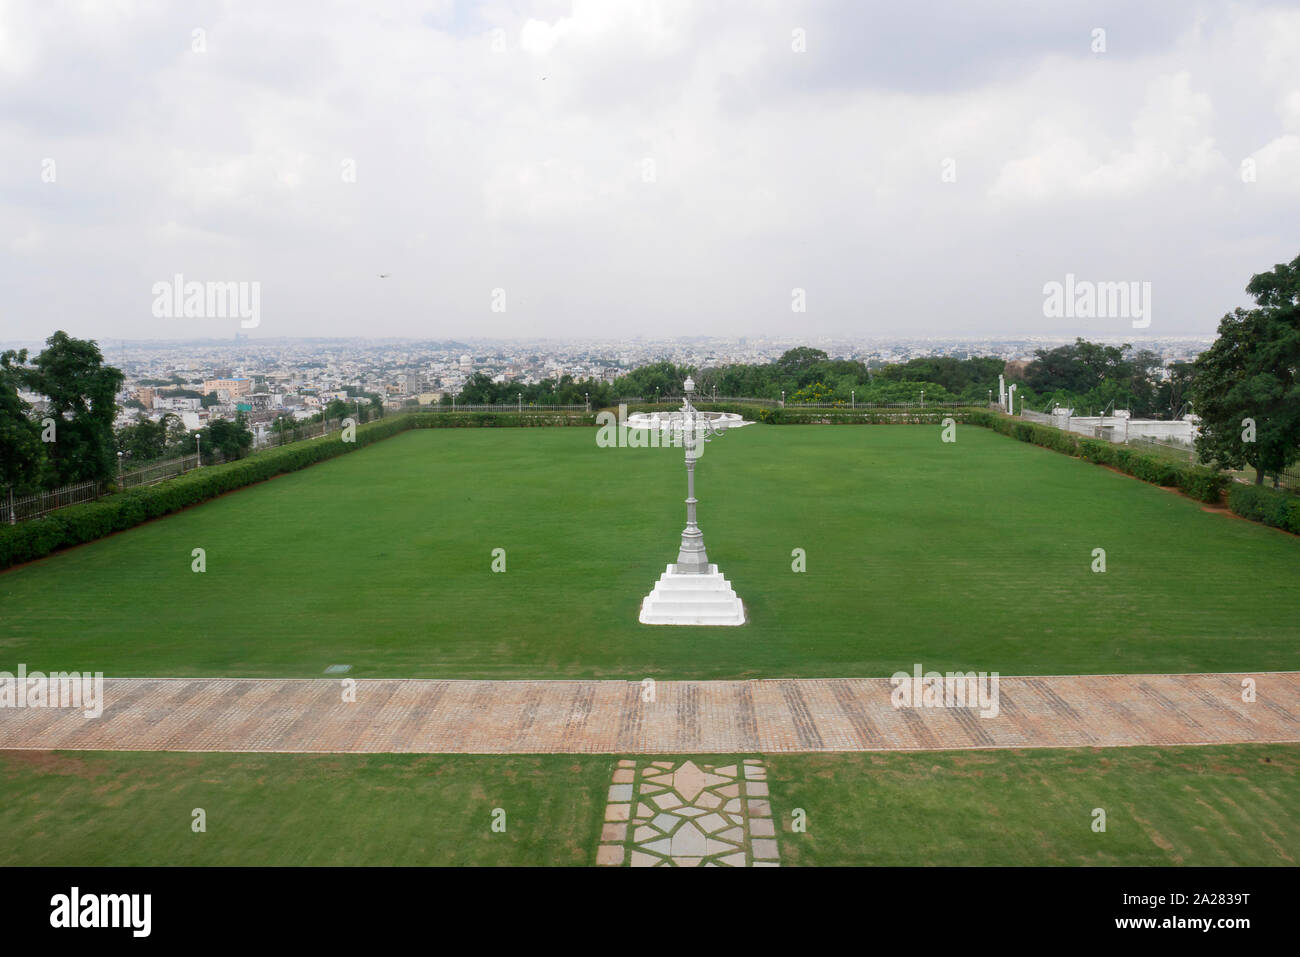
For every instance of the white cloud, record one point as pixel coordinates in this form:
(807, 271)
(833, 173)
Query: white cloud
(772, 168)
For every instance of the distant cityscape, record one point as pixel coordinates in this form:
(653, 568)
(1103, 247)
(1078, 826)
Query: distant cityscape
(268, 378)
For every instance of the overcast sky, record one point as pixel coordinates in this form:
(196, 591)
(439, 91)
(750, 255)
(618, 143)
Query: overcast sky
(624, 168)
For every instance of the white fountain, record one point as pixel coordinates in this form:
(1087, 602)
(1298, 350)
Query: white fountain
(691, 591)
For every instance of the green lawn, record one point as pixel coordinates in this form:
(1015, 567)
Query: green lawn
(1194, 806)
(1210, 806)
(972, 555)
(89, 808)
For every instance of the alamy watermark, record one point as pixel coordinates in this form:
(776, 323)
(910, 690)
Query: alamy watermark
(614, 433)
(179, 299)
(956, 689)
(58, 689)
(77, 909)
(1085, 299)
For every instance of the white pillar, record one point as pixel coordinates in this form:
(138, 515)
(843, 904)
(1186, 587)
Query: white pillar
(1002, 392)
(1011, 399)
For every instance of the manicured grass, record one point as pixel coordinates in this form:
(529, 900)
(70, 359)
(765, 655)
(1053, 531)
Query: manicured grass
(90, 808)
(1234, 805)
(974, 555)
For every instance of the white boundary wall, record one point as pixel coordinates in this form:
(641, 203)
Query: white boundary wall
(1118, 429)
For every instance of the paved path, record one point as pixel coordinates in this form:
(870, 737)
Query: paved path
(686, 717)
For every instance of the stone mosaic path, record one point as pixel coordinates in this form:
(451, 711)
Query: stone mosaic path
(683, 814)
(685, 717)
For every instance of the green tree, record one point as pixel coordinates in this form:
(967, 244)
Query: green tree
(144, 442)
(22, 455)
(82, 393)
(479, 389)
(1174, 391)
(1246, 388)
(179, 441)
(971, 378)
(794, 361)
(814, 392)
(1075, 369)
(338, 409)
(231, 439)
(663, 378)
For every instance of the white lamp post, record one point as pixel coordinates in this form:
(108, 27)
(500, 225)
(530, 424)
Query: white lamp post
(198, 450)
(691, 591)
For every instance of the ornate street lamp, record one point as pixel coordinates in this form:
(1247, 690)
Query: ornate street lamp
(691, 591)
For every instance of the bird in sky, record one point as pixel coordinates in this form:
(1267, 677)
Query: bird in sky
(384, 275)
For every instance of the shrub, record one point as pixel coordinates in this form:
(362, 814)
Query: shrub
(1201, 483)
(848, 416)
(1097, 451)
(76, 524)
(1151, 468)
(1262, 504)
(1205, 485)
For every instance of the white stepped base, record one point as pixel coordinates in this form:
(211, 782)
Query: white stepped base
(679, 599)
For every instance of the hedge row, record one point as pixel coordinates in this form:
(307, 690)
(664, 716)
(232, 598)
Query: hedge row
(76, 524)
(1270, 506)
(498, 420)
(848, 416)
(1202, 484)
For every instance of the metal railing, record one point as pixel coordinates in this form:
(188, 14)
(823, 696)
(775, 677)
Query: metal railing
(21, 508)
(851, 405)
(507, 407)
(157, 472)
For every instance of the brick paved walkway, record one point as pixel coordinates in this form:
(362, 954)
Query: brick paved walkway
(691, 717)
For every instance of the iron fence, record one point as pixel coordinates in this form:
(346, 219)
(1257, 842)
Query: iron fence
(157, 472)
(21, 508)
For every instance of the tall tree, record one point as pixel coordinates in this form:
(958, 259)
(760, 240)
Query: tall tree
(144, 442)
(21, 453)
(82, 394)
(1174, 391)
(1247, 385)
(231, 439)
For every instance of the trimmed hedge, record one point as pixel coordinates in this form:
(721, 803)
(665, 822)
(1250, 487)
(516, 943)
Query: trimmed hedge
(77, 524)
(1200, 483)
(848, 416)
(1268, 505)
(498, 420)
